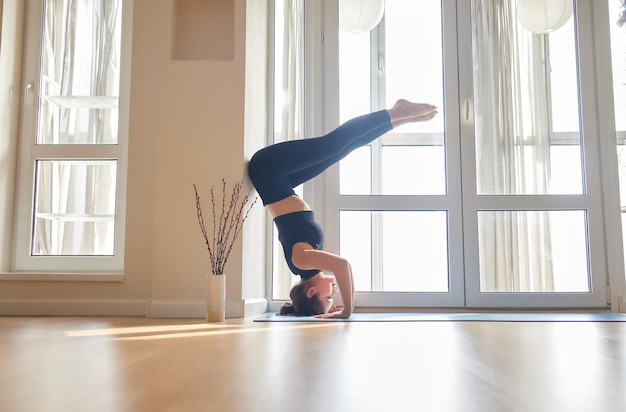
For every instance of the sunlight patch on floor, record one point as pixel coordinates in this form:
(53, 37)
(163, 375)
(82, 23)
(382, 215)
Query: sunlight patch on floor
(182, 331)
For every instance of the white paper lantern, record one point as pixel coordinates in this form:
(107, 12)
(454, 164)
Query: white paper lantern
(358, 16)
(543, 16)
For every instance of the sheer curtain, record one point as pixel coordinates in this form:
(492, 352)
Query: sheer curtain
(289, 101)
(293, 70)
(512, 148)
(75, 198)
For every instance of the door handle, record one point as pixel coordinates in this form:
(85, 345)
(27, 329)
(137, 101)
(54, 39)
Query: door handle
(468, 103)
(30, 88)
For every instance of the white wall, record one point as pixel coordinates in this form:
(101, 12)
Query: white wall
(186, 126)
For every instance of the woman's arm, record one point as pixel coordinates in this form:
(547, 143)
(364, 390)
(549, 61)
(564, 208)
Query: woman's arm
(308, 258)
(346, 288)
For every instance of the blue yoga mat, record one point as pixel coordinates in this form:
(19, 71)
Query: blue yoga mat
(455, 317)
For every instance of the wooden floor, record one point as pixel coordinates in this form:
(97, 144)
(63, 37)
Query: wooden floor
(137, 364)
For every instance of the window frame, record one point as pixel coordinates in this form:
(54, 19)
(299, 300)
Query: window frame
(321, 111)
(449, 203)
(591, 200)
(100, 268)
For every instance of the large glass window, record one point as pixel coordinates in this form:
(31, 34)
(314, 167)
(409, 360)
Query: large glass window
(495, 202)
(527, 123)
(533, 251)
(401, 58)
(528, 141)
(288, 109)
(402, 250)
(617, 24)
(411, 251)
(73, 159)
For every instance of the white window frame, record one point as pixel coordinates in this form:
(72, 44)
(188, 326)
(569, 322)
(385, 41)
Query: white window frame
(605, 260)
(322, 114)
(449, 203)
(99, 268)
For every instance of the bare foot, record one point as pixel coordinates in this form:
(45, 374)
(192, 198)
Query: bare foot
(405, 111)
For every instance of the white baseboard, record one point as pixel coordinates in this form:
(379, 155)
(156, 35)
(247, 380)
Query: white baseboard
(155, 309)
(41, 307)
(240, 308)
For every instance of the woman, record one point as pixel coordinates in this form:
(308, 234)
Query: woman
(275, 170)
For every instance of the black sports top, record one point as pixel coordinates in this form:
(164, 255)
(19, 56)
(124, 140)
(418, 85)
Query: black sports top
(299, 227)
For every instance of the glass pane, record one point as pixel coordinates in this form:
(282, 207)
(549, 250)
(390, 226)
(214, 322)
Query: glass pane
(526, 123)
(411, 255)
(413, 170)
(356, 183)
(283, 279)
(533, 251)
(617, 19)
(354, 74)
(281, 96)
(79, 84)
(355, 230)
(409, 36)
(565, 163)
(563, 77)
(74, 208)
(288, 111)
(617, 24)
(413, 62)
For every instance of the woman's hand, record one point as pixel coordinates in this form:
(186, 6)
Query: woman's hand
(340, 314)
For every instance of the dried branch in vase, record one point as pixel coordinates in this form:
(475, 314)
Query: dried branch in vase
(227, 223)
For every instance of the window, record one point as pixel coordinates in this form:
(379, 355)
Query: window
(497, 202)
(288, 109)
(406, 164)
(616, 23)
(73, 142)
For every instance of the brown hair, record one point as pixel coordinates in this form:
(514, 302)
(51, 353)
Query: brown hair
(300, 304)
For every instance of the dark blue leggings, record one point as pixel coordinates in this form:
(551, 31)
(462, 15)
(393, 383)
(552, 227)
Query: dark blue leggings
(275, 170)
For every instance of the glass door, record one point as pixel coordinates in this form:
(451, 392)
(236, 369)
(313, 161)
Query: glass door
(532, 205)
(497, 202)
(393, 208)
(73, 139)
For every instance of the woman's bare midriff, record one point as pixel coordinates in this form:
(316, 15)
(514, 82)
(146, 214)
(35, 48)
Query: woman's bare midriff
(287, 205)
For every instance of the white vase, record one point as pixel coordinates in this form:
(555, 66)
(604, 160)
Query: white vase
(216, 298)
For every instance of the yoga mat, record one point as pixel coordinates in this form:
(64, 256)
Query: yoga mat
(455, 317)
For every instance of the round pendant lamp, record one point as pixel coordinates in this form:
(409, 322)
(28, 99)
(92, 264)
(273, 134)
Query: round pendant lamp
(543, 16)
(359, 16)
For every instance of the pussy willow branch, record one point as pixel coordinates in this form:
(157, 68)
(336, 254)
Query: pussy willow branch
(227, 227)
(203, 228)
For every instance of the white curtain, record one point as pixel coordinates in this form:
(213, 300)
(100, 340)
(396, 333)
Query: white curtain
(75, 198)
(291, 105)
(512, 148)
(293, 70)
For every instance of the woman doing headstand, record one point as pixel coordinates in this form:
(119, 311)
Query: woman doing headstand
(277, 169)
